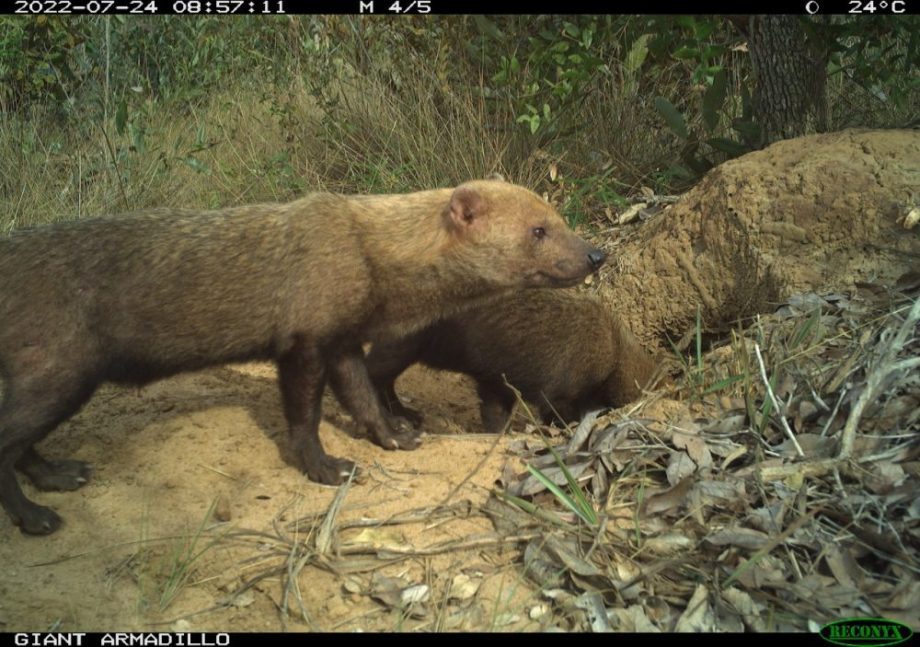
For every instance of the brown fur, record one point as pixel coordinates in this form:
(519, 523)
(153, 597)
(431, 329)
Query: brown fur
(140, 297)
(563, 350)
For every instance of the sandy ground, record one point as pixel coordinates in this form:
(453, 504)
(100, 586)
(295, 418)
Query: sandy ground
(164, 453)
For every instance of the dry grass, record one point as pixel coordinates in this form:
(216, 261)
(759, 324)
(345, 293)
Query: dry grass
(357, 132)
(248, 146)
(371, 557)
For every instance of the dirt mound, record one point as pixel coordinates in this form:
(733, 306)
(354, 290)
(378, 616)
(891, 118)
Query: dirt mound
(819, 212)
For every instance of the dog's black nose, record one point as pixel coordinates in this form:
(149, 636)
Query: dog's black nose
(596, 258)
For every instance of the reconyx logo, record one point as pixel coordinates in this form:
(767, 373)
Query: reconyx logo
(865, 632)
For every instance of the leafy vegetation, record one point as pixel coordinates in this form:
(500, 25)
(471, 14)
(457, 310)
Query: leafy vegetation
(112, 113)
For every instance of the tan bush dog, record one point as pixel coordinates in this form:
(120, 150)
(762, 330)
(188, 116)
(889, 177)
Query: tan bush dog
(137, 298)
(563, 350)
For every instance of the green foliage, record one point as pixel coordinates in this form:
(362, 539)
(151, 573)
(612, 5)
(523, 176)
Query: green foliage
(702, 43)
(37, 58)
(573, 497)
(53, 60)
(174, 57)
(702, 148)
(672, 117)
(702, 48)
(879, 54)
(632, 63)
(592, 192)
(555, 62)
(106, 112)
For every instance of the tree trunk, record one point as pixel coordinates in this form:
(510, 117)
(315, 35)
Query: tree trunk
(789, 98)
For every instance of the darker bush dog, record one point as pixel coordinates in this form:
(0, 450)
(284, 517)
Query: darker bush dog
(564, 351)
(141, 297)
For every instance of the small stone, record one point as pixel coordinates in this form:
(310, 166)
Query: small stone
(463, 587)
(243, 600)
(415, 594)
(353, 585)
(538, 611)
(222, 510)
(181, 626)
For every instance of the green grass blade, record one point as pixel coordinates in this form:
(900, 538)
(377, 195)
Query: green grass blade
(804, 331)
(585, 513)
(723, 383)
(699, 341)
(576, 491)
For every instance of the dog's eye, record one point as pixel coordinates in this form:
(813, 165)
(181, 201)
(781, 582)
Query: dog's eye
(539, 232)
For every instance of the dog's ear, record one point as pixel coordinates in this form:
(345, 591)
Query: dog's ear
(466, 207)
